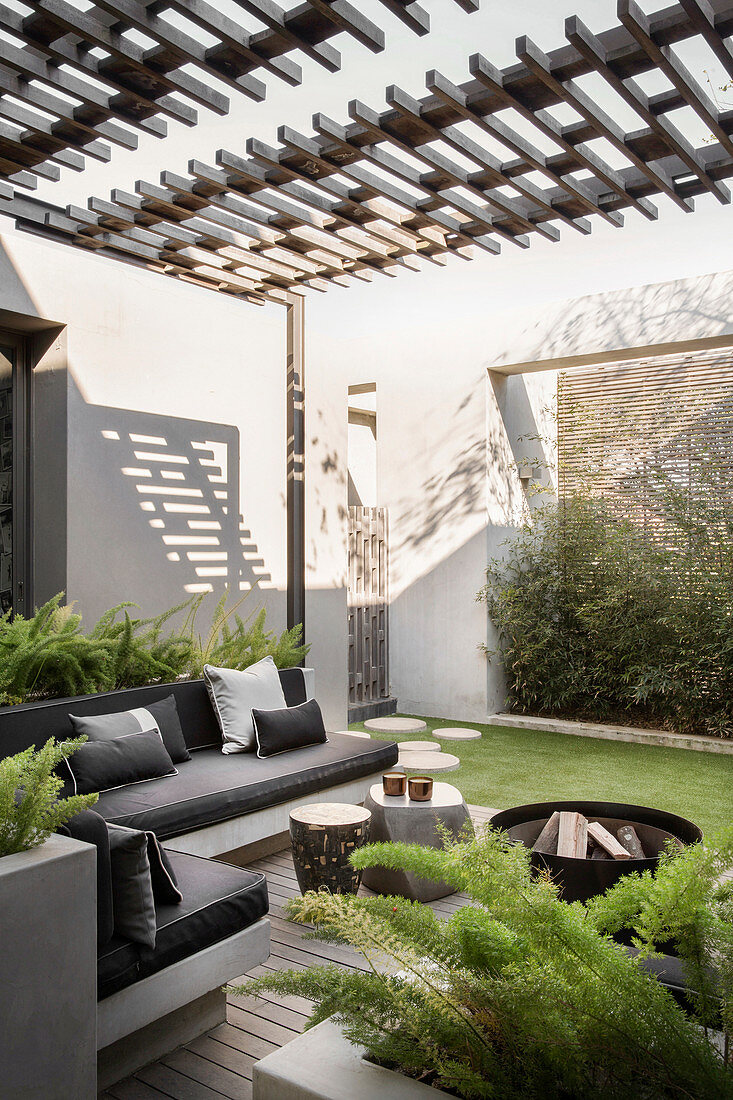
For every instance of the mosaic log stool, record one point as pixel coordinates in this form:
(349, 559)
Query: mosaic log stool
(323, 836)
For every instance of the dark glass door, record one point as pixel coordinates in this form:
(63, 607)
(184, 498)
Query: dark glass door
(14, 565)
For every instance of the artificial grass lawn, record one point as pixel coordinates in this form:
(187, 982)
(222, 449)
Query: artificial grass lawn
(509, 767)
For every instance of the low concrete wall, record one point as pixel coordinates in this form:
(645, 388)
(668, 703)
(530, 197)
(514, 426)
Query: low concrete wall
(614, 733)
(48, 972)
(322, 1064)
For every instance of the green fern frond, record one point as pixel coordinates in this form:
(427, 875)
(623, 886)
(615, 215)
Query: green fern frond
(30, 809)
(521, 995)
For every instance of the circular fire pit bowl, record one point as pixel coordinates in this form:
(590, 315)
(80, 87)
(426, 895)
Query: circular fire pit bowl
(580, 879)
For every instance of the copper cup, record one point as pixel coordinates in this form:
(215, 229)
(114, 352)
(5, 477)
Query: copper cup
(420, 788)
(394, 783)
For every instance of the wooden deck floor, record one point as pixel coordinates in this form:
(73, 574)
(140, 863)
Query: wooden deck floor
(219, 1064)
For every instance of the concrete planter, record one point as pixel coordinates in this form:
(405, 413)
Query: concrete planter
(322, 1064)
(48, 972)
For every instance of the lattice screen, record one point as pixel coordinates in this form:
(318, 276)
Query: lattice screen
(638, 429)
(368, 605)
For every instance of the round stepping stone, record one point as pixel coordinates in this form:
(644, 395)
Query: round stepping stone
(457, 733)
(396, 725)
(429, 762)
(354, 733)
(419, 746)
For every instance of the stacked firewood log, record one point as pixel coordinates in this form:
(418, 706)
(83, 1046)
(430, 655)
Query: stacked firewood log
(570, 834)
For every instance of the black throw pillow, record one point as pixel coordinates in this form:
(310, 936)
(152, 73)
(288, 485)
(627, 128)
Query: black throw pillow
(165, 883)
(132, 887)
(290, 728)
(104, 765)
(161, 715)
(91, 827)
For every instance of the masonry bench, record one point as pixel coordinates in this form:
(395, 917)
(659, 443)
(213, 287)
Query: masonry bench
(153, 999)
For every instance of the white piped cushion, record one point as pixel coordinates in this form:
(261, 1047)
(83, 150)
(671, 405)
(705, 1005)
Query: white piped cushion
(234, 692)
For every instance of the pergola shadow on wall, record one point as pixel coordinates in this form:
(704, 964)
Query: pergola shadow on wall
(173, 484)
(551, 142)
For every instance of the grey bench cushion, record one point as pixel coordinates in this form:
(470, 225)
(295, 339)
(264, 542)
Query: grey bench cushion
(212, 787)
(218, 900)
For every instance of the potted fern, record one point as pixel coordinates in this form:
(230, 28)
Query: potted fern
(48, 944)
(519, 995)
(50, 655)
(30, 807)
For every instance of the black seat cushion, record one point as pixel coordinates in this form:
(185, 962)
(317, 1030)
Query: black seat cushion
(218, 900)
(211, 787)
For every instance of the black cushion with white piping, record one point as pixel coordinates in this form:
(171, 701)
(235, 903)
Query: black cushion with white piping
(166, 890)
(118, 762)
(218, 901)
(132, 887)
(161, 715)
(92, 829)
(289, 728)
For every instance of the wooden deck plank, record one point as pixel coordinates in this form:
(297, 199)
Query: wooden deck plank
(298, 1004)
(219, 1064)
(267, 1011)
(132, 1089)
(253, 1045)
(258, 1026)
(223, 1055)
(177, 1085)
(209, 1075)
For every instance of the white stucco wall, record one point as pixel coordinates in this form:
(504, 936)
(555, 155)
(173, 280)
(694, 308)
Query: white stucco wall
(158, 358)
(448, 440)
(326, 529)
(150, 357)
(650, 319)
(463, 398)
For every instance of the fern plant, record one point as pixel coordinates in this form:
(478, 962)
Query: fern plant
(30, 809)
(139, 650)
(515, 996)
(236, 642)
(686, 903)
(50, 655)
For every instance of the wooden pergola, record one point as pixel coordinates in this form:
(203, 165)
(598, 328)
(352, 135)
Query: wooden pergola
(73, 83)
(508, 154)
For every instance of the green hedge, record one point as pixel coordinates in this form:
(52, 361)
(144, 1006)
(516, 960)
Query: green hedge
(598, 622)
(51, 656)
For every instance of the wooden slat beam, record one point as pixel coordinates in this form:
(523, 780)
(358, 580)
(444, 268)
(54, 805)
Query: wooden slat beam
(491, 173)
(124, 69)
(91, 57)
(703, 20)
(531, 158)
(428, 177)
(339, 211)
(640, 27)
(263, 170)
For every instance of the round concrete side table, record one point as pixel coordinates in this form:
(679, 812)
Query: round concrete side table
(399, 819)
(323, 836)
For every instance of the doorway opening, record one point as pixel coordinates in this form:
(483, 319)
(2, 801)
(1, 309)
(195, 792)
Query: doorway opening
(15, 571)
(368, 565)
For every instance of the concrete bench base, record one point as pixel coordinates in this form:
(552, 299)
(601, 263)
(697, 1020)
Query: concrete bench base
(249, 829)
(159, 1013)
(48, 971)
(614, 733)
(149, 1043)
